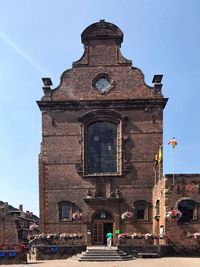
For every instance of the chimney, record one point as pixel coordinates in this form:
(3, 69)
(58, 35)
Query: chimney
(20, 207)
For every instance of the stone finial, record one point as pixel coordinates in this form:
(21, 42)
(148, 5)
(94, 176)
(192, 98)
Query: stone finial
(157, 84)
(47, 85)
(102, 30)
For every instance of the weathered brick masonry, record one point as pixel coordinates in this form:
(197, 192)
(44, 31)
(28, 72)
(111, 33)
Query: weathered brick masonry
(102, 88)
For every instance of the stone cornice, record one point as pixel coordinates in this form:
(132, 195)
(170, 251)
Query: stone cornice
(99, 104)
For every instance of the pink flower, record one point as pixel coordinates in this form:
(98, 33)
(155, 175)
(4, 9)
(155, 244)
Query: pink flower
(33, 227)
(127, 215)
(77, 216)
(196, 236)
(148, 235)
(174, 214)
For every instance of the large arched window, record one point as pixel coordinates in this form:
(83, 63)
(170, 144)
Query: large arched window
(101, 148)
(188, 208)
(102, 130)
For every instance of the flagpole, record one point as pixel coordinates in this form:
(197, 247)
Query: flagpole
(155, 168)
(174, 166)
(159, 161)
(155, 178)
(173, 142)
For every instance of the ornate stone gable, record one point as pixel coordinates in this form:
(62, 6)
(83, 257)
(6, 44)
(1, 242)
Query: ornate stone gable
(102, 73)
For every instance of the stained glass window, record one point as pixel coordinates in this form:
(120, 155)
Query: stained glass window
(101, 147)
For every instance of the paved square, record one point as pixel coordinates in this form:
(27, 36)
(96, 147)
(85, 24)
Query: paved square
(156, 262)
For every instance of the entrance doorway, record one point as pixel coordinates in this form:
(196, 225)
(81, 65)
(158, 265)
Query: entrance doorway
(107, 227)
(100, 229)
(102, 224)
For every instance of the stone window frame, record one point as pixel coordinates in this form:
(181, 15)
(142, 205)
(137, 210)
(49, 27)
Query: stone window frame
(61, 204)
(103, 115)
(195, 210)
(106, 76)
(147, 210)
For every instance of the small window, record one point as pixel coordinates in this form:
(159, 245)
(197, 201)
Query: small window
(141, 210)
(65, 211)
(140, 214)
(188, 208)
(157, 208)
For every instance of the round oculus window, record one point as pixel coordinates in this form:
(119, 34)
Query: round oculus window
(102, 85)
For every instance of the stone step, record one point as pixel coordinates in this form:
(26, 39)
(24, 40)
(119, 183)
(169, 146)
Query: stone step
(106, 249)
(101, 257)
(100, 248)
(120, 254)
(98, 258)
(104, 254)
(125, 259)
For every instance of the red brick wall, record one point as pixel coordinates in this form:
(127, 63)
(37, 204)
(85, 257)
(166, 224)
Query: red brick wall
(8, 231)
(186, 186)
(62, 149)
(159, 194)
(62, 137)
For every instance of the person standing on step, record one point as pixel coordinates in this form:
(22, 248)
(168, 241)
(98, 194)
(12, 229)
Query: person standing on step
(109, 239)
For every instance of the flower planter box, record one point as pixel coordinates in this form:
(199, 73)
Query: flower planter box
(48, 252)
(136, 242)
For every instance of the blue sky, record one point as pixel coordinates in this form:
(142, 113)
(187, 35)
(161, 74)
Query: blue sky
(42, 39)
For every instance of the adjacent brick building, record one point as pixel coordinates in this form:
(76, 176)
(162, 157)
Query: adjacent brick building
(15, 225)
(101, 129)
(15, 228)
(181, 192)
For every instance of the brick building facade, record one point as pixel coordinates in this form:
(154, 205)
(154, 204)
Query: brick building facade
(15, 228)
(101, 129)
(179, 193)
(15, 224)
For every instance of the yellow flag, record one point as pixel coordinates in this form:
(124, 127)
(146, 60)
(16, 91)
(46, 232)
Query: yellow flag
(160, 154)
(156, 161)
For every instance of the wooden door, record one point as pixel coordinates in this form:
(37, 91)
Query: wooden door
(98, 233)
